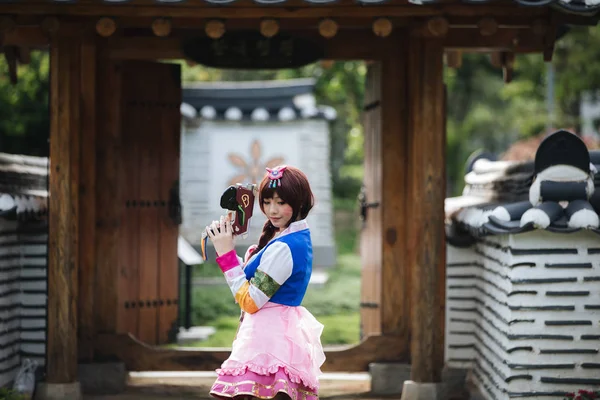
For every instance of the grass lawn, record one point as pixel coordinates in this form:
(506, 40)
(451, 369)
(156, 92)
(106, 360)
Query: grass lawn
(339, 329)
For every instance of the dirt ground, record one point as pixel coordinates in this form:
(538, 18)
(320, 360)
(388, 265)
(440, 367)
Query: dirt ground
(197, 388)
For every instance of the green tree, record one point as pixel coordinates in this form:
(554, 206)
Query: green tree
(576, 60)
(486, 113)
(24, 117)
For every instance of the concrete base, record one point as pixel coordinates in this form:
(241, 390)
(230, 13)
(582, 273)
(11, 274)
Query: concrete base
(455, 380)
(423, 391)
(58, 391)
(388, 378)
(103, 378)
(194, 334)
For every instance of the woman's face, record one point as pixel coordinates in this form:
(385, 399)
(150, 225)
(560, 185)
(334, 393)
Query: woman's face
(278, 212)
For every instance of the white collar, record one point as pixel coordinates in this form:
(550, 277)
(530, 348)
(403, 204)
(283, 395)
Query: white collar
(294, 227)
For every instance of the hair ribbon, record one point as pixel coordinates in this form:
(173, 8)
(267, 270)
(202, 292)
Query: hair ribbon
(275, 174)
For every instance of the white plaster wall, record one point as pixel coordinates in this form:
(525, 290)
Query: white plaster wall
(206, 170)
(531, 313)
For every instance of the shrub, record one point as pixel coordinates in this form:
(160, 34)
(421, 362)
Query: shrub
(10, 394)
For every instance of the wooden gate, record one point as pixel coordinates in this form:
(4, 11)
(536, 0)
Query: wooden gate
(150, 215)
(370, 241)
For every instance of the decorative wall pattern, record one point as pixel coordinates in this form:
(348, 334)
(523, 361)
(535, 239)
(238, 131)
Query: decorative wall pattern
(251, 166)
(523, 314)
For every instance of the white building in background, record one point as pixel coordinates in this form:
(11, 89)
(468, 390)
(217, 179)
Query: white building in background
(232, 130)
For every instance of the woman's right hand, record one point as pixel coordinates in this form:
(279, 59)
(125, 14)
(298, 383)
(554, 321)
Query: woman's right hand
(221, 235)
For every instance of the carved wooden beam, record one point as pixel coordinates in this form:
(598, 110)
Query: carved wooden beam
(269, 27)
(382, 27)
(328, 28)
(504, 60)
(496, 59)
(106, 26)
(539, 27)
(7, 25)
(10, 53)
(161, 27)
(23, 55)
(487, 26)
(514, 40)
(548, 32)
(50, 26)
(508, 63)
(215, 28)
(148, 9)
(336, 48)
(437, 26)
(454, 58)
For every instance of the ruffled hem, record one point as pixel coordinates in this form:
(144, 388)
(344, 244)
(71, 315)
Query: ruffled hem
(294, 377)
(260, 386)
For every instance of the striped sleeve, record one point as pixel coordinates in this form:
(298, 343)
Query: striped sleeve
(275, 268)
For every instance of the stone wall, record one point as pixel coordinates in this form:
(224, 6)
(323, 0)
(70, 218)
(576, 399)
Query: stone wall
(523, 313)
(23, 295)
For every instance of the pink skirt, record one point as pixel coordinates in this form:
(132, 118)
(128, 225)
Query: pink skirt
(277, 350)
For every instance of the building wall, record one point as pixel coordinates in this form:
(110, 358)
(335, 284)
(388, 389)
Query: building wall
(215, 154)
(523, 314)
(23, 289)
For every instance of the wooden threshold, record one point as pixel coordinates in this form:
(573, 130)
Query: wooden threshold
(139, 356)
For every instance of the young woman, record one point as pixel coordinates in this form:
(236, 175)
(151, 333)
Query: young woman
(277, 353)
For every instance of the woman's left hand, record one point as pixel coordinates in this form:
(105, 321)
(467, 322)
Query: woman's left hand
(221, 235)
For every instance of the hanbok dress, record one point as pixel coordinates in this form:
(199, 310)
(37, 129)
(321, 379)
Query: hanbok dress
(278, 347)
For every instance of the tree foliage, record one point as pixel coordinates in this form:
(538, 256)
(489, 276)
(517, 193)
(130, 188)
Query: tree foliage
(24, 117)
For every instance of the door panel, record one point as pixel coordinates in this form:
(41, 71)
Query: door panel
(148, 279)
(371, 246)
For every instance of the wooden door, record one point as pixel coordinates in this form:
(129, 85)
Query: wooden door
(371, 245)
(150, 143)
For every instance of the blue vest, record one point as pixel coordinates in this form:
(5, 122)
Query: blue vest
(292, 291)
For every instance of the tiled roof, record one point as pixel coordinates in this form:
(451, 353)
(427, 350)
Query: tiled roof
(23, 186)
(571, 6)
(558, 192)
(278, 100)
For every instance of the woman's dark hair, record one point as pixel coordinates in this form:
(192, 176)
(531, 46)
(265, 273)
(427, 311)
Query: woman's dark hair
(294, 190)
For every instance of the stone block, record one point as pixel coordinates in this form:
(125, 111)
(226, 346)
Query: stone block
(103, 378)
(58, 391)
(388, 378)
(455, 381)
(424, 391)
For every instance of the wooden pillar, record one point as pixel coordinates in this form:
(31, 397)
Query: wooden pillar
(395, 282)
(87, 200)
(386, 269)
(425, 197)
(108, 189)
(65, 58)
